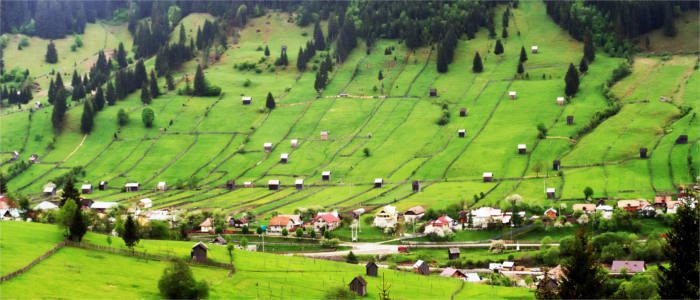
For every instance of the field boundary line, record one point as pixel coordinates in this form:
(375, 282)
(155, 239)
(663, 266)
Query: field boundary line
(391, 86)
(34, 262)
(427, 61)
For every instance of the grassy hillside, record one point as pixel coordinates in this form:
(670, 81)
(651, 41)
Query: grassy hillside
(217, 139)
(91, 274)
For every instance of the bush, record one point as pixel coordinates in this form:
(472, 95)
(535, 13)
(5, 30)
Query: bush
(339, 292)
(247, 83)
(330, 243)
(622, 71)
(122, 117)
(147, 116)
(177, 282)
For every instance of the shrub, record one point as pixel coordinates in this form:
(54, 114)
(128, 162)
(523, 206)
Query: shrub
(177, 282)
(122, 117)
(147, 116)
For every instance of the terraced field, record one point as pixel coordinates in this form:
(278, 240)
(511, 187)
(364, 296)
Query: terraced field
(214, 139)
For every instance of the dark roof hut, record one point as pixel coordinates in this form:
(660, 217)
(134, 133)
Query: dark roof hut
(421, 267)
(416, 186)
(463, 112)
(682, 139)
(199, 252)
(230, 184)
(643, 152)
(102, 186)
(371, 269)
(556, 165)
(462, 133)
(453, 253)
(433, 92)
(569, 120)
(359, 286)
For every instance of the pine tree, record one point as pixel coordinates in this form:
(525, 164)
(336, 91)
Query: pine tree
(380, 76)
(155, 92)
(75, 80)
(499, 48)
(477, 67)
(51, 55)
(86, 121)
(140, 76)
(77, 88)
(582, 279)
(319, 40)
(130, 234)
(59, 107)
(680, 279)
(583, 65)
(78, 226)
(301, 60)
(183, 37)
(351, 258)
(69, 191)
(111, 96)
(99, 100)
(3, 184)
(571, 80)
(200, 84)
(521, 69)
(145, 95)
(504, 33)
(588, 49)
(270, 102)
(442, 63)
(523, 54)
(267, 50)
(121, 56)
(669, 24)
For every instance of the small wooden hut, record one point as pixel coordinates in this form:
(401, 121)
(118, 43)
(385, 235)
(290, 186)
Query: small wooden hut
(359, 286)
(102, 186)
(551, 193)
(273, 184)
(378, 183)
(284, 158)
(462, 133)
(415, 185)
(371, 269)
(556, 165)
(324, 135)
(295, 143)
(534, 49)
(199, 252)
(326, 175)
(246, 100)
(487, 176)
(299, 184)
(453, 253)
(462, 112)
(86, 188)
(512, 95)
(643, 152)
(267, 147)
(682, 139)
(421, 267)
(433, 92)
(132, 187)
(230, 184)
(522, 149)
(560, 100)
(569, 120)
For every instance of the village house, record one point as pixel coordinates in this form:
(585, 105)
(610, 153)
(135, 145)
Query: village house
(508, 266)
(359, 286)
(207, 225)
(103, 206)
(605, 210)
(296, 219)
(482, 216)
(278, 223)
(495, 267)
(10, 213)
(660, 201)
(628, 205)
(326, 220)
(585, 207)
(50, 189)
(672, 206)
(438, 226)
(385, 217)
(472, 277)
(551, 213)
(421, 267)
(199, 252)
(45, 205)
(413, 214)
(237, 223)
(159, 215)
(450, 272)
(632, 266)
(86, 188)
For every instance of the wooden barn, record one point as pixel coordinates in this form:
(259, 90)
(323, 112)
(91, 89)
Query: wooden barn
(415, 185)
(534, 49)
(273, 184)
(102, 186)
(433, 92)
(421, 267)
(682, 139)
(294, 143)
(267, 147)
(86, 188)
(462, 133)
(643, 152)
(359, 286)
(299, 184)
(230, 184)
(560, 100)
(132, 187)
(371, 269)
(512, 95)
(326, 175)
(247, 100)
(284, 158)
(522, 149)
(162, 186)
(378, 183)
(551, 193)
(453, 253)
(569, 120)
(199, 252)
(487, 176)
(324, 135)
(462, 112)
(556, 165)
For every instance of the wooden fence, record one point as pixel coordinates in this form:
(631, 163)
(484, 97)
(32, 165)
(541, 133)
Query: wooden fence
(30, 265)
(144, 255)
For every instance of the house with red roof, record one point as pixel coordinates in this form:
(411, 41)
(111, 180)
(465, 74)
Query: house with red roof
(328, 221)
(632, 266)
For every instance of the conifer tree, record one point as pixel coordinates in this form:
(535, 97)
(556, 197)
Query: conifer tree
(51, 55)
(99, 99)
(111, 96)
(3, 184)
(51, 93)
(582, 279)
(504, 33)
(77, 88)
(380, 76)
(267, 50)
(200, 84)
(521, 69)
(583, 65)
(669, 23)
(499, 48)
(477, 67)
(130, 234)
(145, 95)
(69, 191)
(270, 102)
(183, 37)
(121, 56)
(319, 40)
(588, 49)
(301, 60)
(351, 258)
(155, 92)
(86, 121)
(78, 226)
(140, 75)
(170, 81)
(59, 106)
(571, 80)
(680, 279)
(523, 54)
(442, 63)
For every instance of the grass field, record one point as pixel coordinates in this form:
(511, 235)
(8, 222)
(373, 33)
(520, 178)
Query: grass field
(258, 275)
(214, 140)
